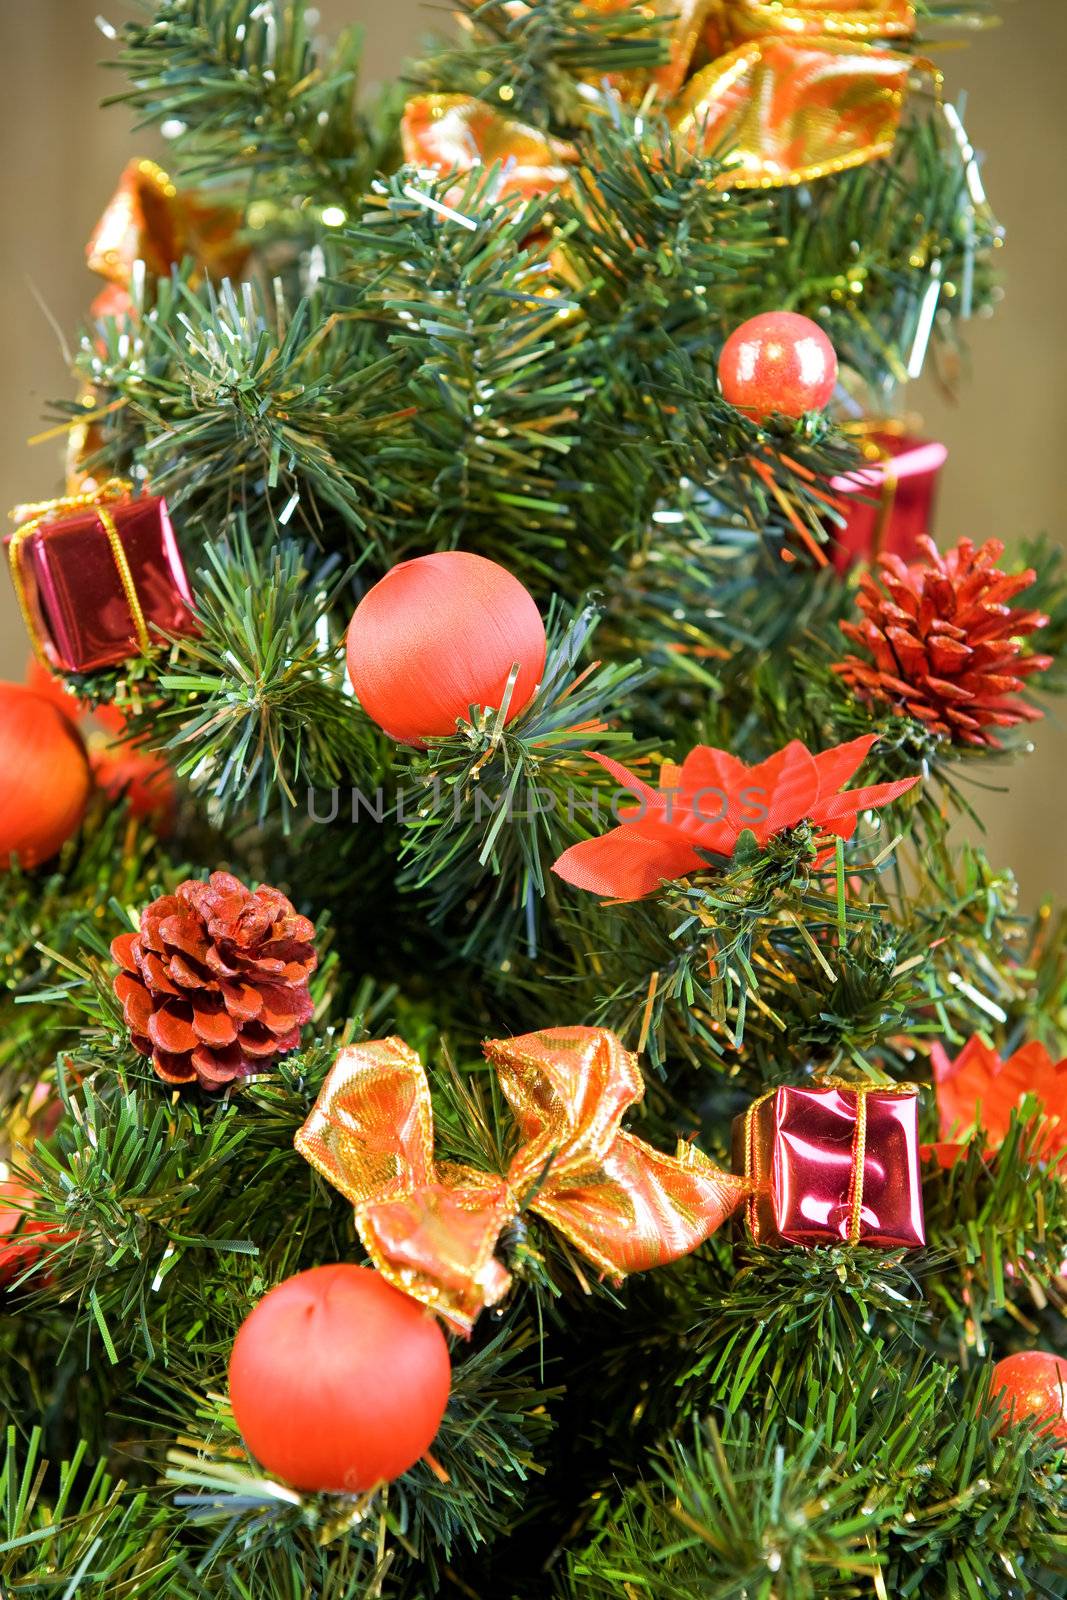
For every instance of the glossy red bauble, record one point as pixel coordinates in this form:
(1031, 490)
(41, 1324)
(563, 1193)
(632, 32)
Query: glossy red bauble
(46, 778)
(338, 1381)
(1033, 1383)
(439, 634)
(778, 364)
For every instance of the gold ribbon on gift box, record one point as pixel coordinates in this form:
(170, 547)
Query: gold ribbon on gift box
(757, 1180)
(790, 92)
(432, 1229)
(31, 517)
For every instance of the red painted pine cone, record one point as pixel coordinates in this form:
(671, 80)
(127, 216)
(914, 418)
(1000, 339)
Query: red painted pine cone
(942, 644)
(215, 983)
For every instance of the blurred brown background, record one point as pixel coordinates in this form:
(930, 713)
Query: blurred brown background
(62, 155)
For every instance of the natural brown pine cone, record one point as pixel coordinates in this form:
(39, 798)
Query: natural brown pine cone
(944, 643)
(215, 983)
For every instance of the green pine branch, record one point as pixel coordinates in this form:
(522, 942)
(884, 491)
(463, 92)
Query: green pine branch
(497, 802)
(228, 401)
(253, 100)
(255, 708)
(899, 1477)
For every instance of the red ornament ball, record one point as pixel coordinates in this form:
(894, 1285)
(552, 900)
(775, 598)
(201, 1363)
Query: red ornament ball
(778, 364)
(46, 777)
(1033, 1383)
(338, 1381)
(439, 634)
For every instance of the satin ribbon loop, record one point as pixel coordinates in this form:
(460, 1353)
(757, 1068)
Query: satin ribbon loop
(35, 515)
(787, 111)
(433, 1231)
(787, 92)
(791, 91)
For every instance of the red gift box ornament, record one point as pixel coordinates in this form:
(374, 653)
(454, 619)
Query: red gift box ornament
(837, 1163)
(95, 573)
(890, 501)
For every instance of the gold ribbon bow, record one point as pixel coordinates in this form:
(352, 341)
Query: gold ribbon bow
(432, 1230)
(789, 92)
(32, 517)
(795, 92)
(757, 1179)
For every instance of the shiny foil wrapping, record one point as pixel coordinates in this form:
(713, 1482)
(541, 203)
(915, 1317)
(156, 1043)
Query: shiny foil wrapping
(149, 219)
(890, 501)
(832, 1165)
(791, 92)
(79, 611)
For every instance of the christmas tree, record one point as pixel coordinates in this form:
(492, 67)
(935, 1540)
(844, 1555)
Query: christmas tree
(511, 1084)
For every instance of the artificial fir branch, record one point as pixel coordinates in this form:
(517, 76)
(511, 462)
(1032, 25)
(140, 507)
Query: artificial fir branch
(1008, 1239)
(252, 97)
(87, 1528)
(258, 698)
(46, 914)
(232, 400)
(496, 803)
(532, 60)
(932, 1501)
(892, 256)
(474, 314)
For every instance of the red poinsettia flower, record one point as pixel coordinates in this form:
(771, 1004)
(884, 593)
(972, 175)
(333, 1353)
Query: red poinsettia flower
(979, 1091)
(704, 806)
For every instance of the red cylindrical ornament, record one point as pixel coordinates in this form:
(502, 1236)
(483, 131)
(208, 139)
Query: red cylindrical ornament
(890, 500)
(338, 1381)
(778, 364)
(47, 781)
(438, 635)
(1033, 1383)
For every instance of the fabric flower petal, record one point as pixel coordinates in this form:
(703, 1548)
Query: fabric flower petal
(625, 864)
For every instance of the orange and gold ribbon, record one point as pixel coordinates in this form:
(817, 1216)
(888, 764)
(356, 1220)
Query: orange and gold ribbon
(149, 219)
(32, 517)
(796, 92)
(824, 19)
(432, 1230)
(785, 92)
(457, 133)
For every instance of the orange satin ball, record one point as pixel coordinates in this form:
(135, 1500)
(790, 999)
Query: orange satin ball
(778, 364)
(46, 777)
(1033, 1383)
(338, 1381)
(439, 634)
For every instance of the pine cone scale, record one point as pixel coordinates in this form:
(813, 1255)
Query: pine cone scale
(161, 975)
(213, 1027)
